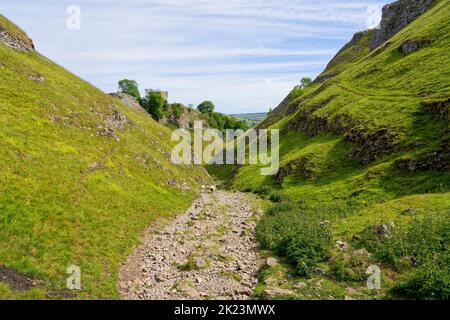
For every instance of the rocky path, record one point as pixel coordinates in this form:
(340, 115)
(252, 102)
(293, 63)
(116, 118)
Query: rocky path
(209, 252)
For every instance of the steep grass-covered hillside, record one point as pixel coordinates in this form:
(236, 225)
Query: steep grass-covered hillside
(365, 153)
(81, 176)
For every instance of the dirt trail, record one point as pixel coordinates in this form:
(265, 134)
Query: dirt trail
(208, 252)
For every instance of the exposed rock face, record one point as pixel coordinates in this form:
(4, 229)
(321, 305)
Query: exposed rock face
(21, 44)
(185, 120)
(396, 16)
(411, 46)
(127, 100)
(356, 46)
(36, 77)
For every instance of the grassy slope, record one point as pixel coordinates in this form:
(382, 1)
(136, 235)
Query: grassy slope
(56, 209)
(381, 90)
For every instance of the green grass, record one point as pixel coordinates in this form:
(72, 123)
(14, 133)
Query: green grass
(69, 195)
(342, 146)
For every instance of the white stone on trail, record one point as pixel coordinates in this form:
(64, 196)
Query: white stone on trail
(209, 252)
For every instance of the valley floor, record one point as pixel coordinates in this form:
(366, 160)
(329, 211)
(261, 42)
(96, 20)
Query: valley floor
(209, 252)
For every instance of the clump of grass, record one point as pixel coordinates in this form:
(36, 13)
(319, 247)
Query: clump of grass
(189, 265)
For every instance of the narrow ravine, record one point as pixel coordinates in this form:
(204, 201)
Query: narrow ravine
(208, 252)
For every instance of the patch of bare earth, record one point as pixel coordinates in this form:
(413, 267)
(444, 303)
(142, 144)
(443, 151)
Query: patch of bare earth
(209, 252)
(15, 280)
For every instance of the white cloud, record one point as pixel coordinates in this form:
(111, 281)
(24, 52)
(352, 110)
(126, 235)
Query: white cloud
(243, 54)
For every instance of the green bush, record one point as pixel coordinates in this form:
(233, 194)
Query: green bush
(347, 270)
(422, 239)
(263, 190)
(206, 107)
(155, 104)
(302, 240)
(425, 241)
(278, 197)
(430, 281)
(130, 87)
(176, 109)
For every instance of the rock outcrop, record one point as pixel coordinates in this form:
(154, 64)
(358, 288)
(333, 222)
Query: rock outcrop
(355, 46)
(127, 100)
(411, 46)
(396, 16)
(15, 39)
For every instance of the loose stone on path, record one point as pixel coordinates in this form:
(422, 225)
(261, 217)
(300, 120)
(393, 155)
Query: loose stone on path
(209, 252)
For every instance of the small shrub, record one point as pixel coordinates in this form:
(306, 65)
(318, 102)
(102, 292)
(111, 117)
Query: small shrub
(425, 240)
(338, 269)
(422, 239)
(343, 270)
(430, 281)
(292, 234)
(263, 190)
(278, 197)
(308, 246)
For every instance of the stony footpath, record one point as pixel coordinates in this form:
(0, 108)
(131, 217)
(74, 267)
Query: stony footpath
(209, 252)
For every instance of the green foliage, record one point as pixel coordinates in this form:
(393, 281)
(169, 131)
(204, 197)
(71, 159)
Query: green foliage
(422, 245)
(155, 104)
(305, 82)
(189, 265)
(206, 107)
(429, 281)
(347, 270)
(251, 119)
(263, 191)
(176, 109)
(129, 87)
(277, 197)
(301, 239)
(223, 122)
(423, 239)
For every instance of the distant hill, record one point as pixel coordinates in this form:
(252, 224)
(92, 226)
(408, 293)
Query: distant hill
(252, 119)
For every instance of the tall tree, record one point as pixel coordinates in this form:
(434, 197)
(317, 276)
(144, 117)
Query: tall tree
(155, 104)
(206, 107)
(130, 87)
(305, 82)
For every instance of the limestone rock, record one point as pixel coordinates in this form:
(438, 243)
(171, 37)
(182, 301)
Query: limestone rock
(411, 46)
(271, 262)
(395, 17)
(128, 100)
(22, 43)
(271, 293)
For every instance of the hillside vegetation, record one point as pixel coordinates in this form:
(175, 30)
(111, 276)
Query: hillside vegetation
(365, 161)
(252, 119)
(176, 115)
(81, 176)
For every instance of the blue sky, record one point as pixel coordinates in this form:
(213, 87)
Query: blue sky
(245, 55)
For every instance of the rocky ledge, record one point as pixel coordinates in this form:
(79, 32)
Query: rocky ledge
(396, 16)
(23, 44)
